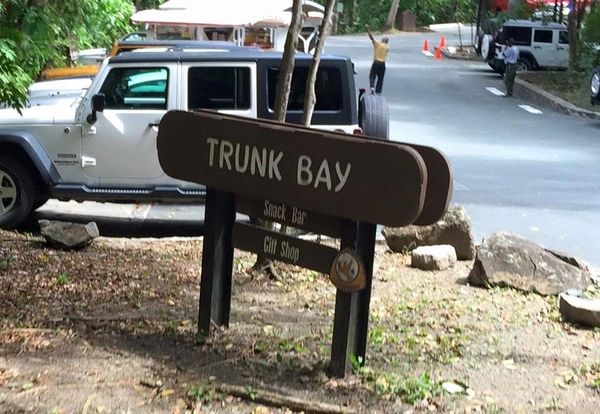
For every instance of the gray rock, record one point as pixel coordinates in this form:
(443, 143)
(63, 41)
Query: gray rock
(504, 259)
(579, 310)
(68, 236)
(438, 257)
(453, 229)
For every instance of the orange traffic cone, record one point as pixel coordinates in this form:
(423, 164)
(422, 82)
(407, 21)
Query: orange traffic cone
(438, 53)
(426, 46)
(442, 42)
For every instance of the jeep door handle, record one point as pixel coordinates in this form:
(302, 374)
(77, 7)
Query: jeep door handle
(560, 48)
(537, 47)
(153, 124)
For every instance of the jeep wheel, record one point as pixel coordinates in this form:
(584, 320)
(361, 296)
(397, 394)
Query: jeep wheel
(488, 47)
(40, 201)
(16, 193)
(595, 85)
(524, 65)
(375, 118)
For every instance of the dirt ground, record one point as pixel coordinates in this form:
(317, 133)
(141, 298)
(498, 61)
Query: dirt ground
(112, 329)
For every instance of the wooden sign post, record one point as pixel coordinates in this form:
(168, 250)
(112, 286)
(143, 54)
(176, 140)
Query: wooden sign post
(328, 183)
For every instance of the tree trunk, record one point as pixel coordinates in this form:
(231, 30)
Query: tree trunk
(310, 98)
(287, 62)
(351, 12)
(389, 24)
(282, 94)
(573, 41)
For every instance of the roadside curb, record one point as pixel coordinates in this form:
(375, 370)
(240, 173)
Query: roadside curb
(536, 94)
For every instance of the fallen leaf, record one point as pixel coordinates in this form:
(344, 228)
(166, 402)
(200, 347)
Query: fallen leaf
(167, 392)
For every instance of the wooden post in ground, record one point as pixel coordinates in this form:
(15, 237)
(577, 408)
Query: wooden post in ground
(217, 261)
(351, 319)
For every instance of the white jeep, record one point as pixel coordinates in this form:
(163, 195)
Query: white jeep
(541, 45)
(103, 146)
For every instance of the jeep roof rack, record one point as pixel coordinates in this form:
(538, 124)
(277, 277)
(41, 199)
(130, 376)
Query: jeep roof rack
(533, 23)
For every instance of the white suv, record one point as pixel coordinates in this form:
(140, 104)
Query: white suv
(541, 45)
(103, 146)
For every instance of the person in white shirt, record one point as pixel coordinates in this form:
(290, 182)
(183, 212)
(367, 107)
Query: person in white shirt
(511, 56)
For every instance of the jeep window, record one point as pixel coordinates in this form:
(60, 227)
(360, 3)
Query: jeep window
(219, 88)
(563, 37)
(328, 89)
(542, 36)
(521, 35)
(136, 88)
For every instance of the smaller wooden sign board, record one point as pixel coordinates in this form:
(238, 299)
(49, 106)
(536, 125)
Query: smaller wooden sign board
(289, 215)
(287, 249)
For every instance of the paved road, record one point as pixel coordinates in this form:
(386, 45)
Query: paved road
(533, 174)
(536, 175)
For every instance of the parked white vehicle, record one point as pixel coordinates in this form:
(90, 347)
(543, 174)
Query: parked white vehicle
(541, 45)
(57, 92)
(104, 147)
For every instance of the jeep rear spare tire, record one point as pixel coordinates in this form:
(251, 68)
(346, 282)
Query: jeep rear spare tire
(595, 85)
(375, 118)
(16, 193)
(488, 47)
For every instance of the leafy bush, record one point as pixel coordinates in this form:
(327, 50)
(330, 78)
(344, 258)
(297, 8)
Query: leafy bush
(590, 37)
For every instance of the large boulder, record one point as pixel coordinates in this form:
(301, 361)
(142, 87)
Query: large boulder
(68, 236)
(507, 260)
(453, 229)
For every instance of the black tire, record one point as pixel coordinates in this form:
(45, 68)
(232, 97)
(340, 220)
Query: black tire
(595, 86)
(478, 41)
(524, 65)
(40, 201)
(375, 117)
(17, 193)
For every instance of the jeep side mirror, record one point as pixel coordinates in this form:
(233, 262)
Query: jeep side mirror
(97, 106)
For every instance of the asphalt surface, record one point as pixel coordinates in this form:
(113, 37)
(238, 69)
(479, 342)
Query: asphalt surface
(516, 169)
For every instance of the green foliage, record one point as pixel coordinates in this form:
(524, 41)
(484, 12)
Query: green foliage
(411, 389)
(203, 392)
(591, 27)
(590, 37)
(3, 264)
(373, 13)
(251, 392)
(35, 35)
(289, 346)
(62, 279)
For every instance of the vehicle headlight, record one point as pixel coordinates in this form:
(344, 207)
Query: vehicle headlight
(595, 84)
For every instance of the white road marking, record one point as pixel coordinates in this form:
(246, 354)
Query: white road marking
(495, 91)
(427, 53)
(531, 109)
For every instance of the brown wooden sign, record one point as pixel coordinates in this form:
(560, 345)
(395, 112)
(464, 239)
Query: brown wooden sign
(289, 215)
(333, 174)
(439, 179)
(283, 248)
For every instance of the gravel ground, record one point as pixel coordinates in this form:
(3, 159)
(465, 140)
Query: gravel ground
(113, 329)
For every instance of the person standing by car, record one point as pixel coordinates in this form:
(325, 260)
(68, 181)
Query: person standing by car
(511, 56)
(380, 51)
